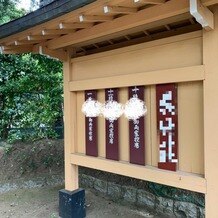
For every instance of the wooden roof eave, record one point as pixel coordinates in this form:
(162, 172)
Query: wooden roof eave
(157, 13)
(161, 13)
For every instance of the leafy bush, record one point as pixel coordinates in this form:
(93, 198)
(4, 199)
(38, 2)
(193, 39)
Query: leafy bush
(30, 96)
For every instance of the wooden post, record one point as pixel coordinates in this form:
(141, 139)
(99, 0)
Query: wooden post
(71, 171)
(210, 59)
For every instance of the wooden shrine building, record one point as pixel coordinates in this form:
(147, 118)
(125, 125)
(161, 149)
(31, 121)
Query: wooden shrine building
(165, 52)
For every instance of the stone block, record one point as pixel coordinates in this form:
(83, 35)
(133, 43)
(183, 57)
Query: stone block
(164, 206)
(87, 181)
(201, 211)
(185, 209)
(100, 186)
(114, 190)
(145, 199)
(129, 194)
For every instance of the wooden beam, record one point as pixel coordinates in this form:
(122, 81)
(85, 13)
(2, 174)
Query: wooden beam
(119, 10)
(117, 2)
(60, 54)
(28, 42)
(74, 26)
(147, 78)
(56, 31)
(202, 14)
(209, 2)
(153, 2)
(143, 17)
(94, 18)
(176, 179)
(40, 37)
(16, 49)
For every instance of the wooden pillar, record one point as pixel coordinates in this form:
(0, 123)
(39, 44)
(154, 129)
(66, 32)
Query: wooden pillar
(210, 59)
(71, 171)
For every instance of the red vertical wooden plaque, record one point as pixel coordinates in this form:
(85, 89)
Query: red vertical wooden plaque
(167, 122)
(91, 128)
(112, 148)
(137, 131)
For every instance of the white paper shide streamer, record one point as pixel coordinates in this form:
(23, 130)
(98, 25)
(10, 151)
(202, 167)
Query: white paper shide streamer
(91, 108)
(112, 110)
(134, 109)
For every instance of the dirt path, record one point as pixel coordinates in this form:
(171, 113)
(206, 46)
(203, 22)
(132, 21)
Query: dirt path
(43, 203)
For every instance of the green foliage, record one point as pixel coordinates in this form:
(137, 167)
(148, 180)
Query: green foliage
(30, 90)
(30, 96)
(8, 11)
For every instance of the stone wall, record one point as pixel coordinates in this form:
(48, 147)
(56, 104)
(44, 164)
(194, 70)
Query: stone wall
(174, 203)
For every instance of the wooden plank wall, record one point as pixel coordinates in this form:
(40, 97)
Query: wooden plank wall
(175, 52)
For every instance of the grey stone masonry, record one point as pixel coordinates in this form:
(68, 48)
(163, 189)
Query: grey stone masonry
(144, 199)
(100, 185)
(114, 190)
(129, 194)
(164, 205)
(185, 209)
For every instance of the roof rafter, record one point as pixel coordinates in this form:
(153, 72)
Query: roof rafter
(73, 26)
(94, 18)
(142, 17)
(13, 49)
(40, 37)
(119, 10)
(56, 31)
(27, 42)
(153, 2)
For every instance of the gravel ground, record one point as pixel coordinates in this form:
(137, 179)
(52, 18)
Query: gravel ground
(43, 203)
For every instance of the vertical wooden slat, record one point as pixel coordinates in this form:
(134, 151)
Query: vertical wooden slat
(101, 128)
(148, 137)
(123, 123)
(112, 147)
(137, 131)
(153, 135)
(167, 122)
(91, 128)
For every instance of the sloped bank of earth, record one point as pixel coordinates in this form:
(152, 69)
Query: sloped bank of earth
(27, 167)
(31, 164)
